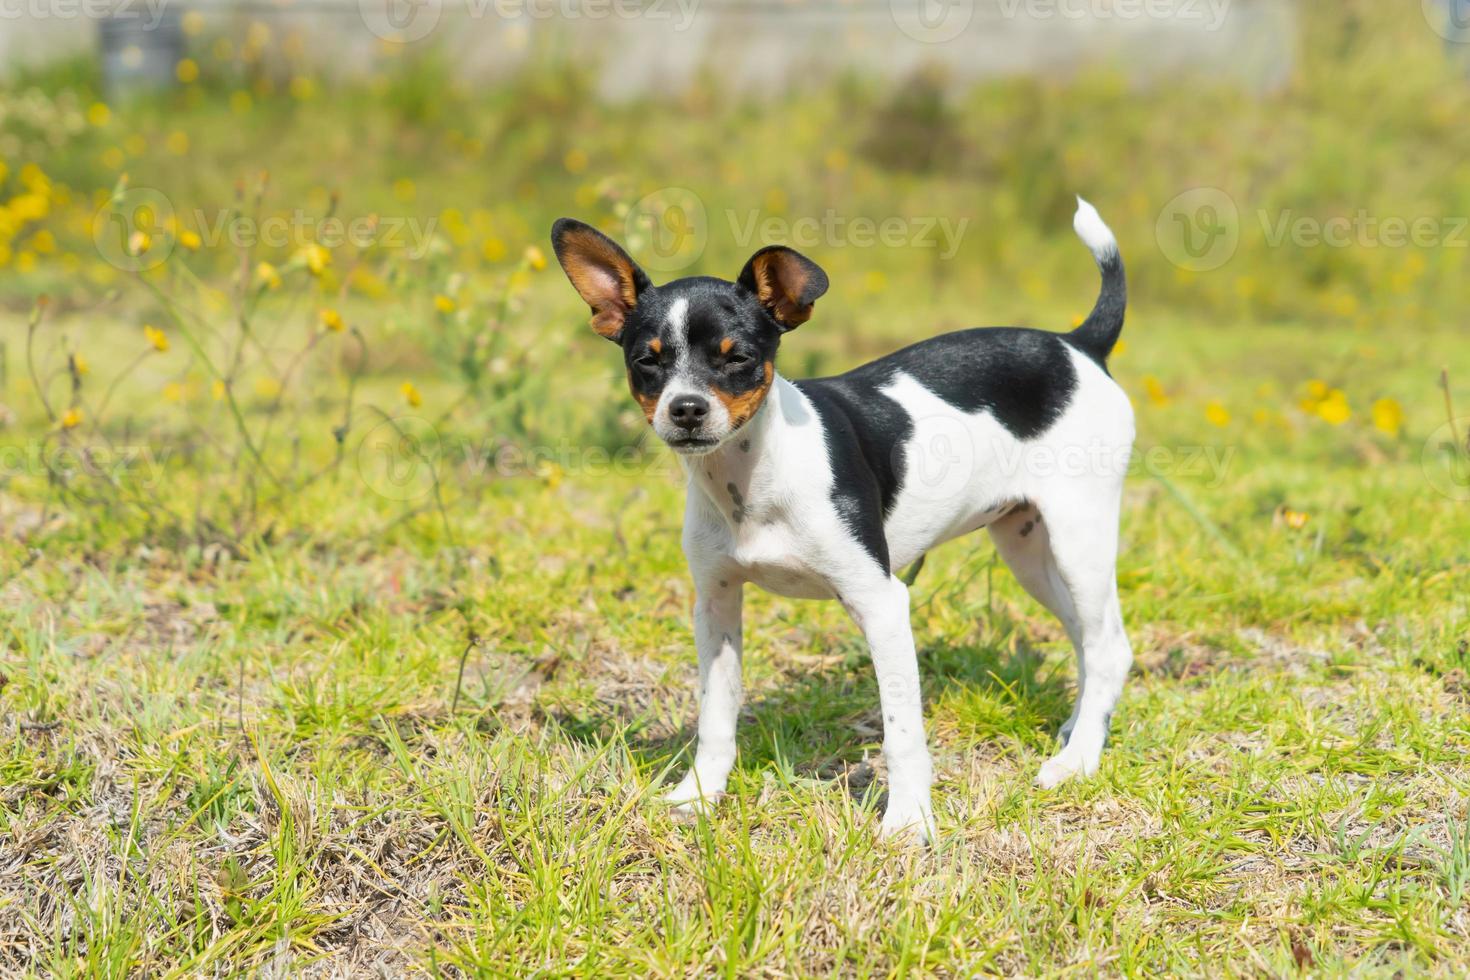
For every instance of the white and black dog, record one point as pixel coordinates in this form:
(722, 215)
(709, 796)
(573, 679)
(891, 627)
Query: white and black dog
(826, 488)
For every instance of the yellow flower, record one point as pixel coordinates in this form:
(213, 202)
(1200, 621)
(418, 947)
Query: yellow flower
(267, 274)
(173, 392)
(1388, 416)
(267, 387)
(411, 394)
(187, 71)
(218, 391)
(177, 142)
(316, 258)
(98, 114)
(549, 473)
(1294, 519)
(576, 161)
(72, 418)
(156, 337)
(493, 249)
(1154, 389)
(190, 240)
(443, 304)
(80, 366)
(1217, 414)
(535, 258)
(1334, 409)
(139, 242)
(332, 320)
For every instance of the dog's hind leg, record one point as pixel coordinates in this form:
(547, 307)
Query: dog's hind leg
(1022, 539)
(1077, 580)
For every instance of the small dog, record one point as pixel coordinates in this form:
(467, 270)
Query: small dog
(826, 488)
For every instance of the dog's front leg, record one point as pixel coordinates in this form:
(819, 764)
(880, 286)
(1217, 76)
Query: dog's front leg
(881, 610)
(717, 608)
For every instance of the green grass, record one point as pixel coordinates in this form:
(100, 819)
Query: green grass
(254, 721)
(223, 764)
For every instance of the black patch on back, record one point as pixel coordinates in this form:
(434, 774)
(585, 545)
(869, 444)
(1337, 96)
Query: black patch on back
(1024, 378)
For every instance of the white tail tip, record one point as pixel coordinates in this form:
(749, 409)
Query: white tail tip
(1094, 233)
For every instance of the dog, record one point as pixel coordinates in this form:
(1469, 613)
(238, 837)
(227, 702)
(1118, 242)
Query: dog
(826, 488)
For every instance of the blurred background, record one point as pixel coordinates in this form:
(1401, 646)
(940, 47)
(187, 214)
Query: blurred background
(258, 229)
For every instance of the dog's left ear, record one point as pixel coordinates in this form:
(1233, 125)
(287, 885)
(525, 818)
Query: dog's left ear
(786, 282)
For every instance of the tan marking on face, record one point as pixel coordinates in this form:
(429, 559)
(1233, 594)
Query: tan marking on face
(744, 405)
(656, 345)
(726, 344)
(649, 403)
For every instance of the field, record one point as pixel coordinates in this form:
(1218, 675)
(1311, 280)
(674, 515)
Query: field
(343, 620)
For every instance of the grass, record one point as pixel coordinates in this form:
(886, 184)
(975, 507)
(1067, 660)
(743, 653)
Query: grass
(292, 714)
(221, 764)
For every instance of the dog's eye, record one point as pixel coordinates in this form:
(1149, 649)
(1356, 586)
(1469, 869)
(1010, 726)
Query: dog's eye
(646, 363)
(738, 362)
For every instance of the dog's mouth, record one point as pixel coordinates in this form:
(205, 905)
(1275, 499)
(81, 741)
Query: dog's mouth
(692, 445)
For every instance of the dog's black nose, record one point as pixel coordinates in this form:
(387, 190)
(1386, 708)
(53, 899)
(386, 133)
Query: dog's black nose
(688, 410)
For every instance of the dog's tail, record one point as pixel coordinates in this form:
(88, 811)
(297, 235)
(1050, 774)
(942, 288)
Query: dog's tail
(1099, 332)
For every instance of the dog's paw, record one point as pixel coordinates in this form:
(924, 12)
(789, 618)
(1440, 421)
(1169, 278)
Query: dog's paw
(687, 802)
(1067, 763)
(911, 823)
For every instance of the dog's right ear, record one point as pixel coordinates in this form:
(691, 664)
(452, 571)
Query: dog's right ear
(604, 276)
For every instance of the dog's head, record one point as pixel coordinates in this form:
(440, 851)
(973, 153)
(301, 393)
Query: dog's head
(700, 352)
